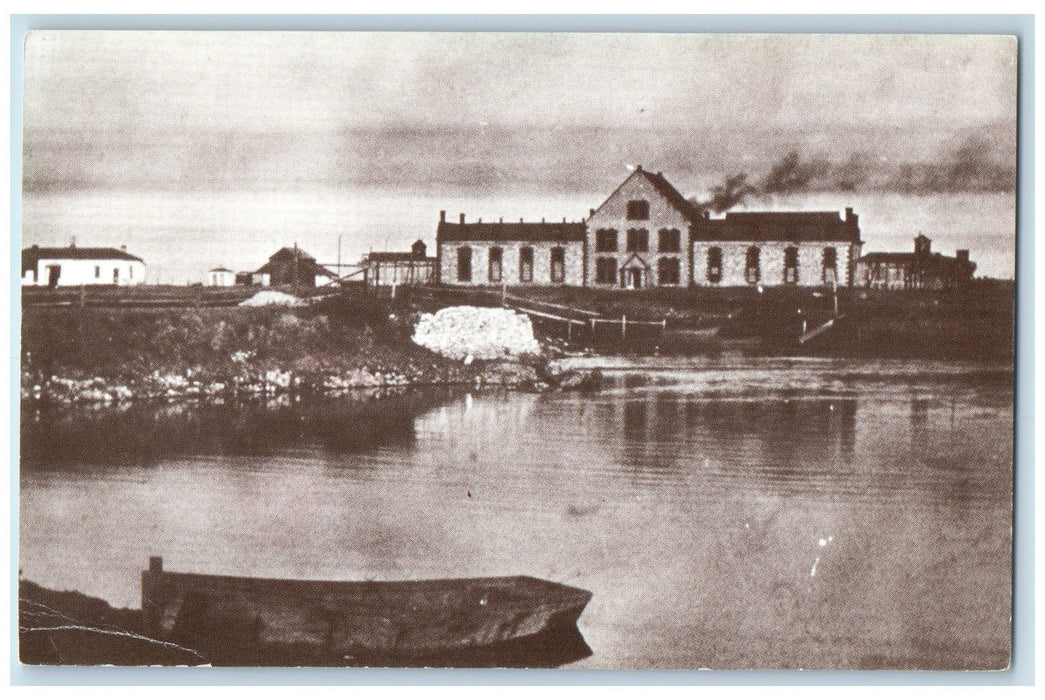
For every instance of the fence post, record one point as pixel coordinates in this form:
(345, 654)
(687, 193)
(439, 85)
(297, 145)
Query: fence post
(623, 326)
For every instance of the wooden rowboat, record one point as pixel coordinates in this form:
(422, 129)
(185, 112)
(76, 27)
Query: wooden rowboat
(252, 620)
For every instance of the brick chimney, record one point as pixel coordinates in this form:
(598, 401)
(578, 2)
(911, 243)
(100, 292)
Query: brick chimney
(962, 255)
(442, 216)
(462, 217)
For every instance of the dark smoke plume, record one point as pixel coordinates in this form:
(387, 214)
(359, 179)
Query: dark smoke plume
(729, 194)
(973, 166)
(792, 174)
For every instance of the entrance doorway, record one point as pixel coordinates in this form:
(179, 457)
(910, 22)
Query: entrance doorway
(631, 278)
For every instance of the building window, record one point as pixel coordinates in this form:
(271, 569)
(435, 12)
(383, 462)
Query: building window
(668, 240)
(558, 264)
(526, 264)
(829, 267)
(605, 271)
(97, 271)
(115, 275)
(130, 272)
(752, 271)
(638, 240)
(606, 240)
(790, 265)
(495, 264)
(668, 271)
(464, 264)
(638, 210)
(715, 265)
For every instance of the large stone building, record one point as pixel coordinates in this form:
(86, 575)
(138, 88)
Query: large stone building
(523, 253)
(75, 266)
(647, 234)
(640, 236)
(804, 249)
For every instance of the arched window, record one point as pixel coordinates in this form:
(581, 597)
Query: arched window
(829, 267)
(714, 265)
(669, 240)
(752, 265)
(668, 271)
(495, 265)
(558, 261)
(464, 264)
(638, 240)
(791, 265)
(526, 264)
(638, 210)
(605, 270)
(606, 240)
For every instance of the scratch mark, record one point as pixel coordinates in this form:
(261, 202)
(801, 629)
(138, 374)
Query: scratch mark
(815, 563)
(115, 633)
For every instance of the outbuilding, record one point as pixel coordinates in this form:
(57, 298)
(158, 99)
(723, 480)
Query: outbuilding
(74, 266)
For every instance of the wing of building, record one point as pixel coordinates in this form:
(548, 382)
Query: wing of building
(498, 253)
(74, 266)
(647, 234)
(922, 269)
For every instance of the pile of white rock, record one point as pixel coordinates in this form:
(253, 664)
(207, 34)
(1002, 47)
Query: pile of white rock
(463, 332)
(271, 297)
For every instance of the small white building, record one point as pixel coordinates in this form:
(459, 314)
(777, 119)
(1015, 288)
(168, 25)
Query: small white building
(74, 266)
(221, 277)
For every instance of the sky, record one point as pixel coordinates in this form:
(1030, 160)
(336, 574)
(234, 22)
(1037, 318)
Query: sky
(465, 114)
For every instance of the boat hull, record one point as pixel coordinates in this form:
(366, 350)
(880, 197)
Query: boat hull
(236, 619)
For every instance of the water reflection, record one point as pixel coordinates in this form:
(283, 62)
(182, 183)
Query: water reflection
(144, 433)
(692, 503)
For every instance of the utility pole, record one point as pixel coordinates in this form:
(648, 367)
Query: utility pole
(295, 268)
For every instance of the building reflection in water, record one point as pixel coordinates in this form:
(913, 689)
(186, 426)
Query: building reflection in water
(784, 432)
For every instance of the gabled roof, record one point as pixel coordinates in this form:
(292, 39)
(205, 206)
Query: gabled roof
(668, 191)
(782, 226)
(306, 265)
(528, 232)
(287, 252)
(665, 189)
(32, 255)
(635, 261)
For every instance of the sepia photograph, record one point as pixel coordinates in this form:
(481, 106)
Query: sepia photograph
(560, 350)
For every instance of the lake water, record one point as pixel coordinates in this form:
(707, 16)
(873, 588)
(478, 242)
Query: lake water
(725, 513)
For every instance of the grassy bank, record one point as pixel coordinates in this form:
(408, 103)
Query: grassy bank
(334, 344)
(363, 339)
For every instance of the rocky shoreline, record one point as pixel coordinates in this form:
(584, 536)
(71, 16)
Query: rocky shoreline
(524, 376)
(106, 357)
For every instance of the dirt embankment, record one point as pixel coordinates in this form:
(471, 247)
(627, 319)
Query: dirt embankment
(973, 323)
(340, 343)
